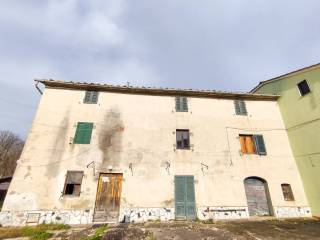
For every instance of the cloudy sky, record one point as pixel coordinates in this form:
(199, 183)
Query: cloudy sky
(224, 45)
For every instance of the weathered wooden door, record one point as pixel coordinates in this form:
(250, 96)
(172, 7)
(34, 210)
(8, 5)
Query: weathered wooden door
(108, 197)
(185, 207)
(257, 197)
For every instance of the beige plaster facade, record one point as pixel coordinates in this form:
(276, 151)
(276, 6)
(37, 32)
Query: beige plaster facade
(134, 134)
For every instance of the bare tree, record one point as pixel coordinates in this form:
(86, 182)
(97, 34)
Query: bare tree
(10, 150)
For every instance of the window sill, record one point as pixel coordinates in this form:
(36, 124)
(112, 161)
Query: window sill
(302, 96)
(253, 154)
(70, 196)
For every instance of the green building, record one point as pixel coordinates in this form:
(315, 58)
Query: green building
(300, 107)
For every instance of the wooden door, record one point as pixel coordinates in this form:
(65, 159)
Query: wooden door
(257, 197)
(108, 196)
(184, 198)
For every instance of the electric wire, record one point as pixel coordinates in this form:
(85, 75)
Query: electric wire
(212, 153)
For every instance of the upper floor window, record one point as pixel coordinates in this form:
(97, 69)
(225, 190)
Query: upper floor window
(91, 97)
(303, 87)
(183, 139)
(252, 144)
(240, 107)
(287, 192)
(73, 182)
(181, 104)
(83, 133)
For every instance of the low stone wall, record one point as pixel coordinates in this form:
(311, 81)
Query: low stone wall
(38, 217)
(292, 212)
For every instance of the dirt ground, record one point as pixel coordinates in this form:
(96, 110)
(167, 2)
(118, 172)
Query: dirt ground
(255, 230)
(228, 230)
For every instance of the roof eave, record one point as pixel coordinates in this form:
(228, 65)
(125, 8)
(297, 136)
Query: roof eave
(154, 91)
(301, 70)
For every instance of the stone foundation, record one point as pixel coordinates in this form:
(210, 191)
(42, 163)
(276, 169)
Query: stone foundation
(132, 215)
(39, 217)
(136, 215)
(216, 213)
(292, 212)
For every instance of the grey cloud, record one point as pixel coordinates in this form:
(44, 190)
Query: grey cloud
(225, 45)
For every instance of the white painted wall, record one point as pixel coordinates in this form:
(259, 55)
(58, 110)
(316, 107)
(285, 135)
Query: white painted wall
(147, 141)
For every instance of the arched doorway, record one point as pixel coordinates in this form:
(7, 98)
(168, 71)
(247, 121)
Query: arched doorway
(258, 198)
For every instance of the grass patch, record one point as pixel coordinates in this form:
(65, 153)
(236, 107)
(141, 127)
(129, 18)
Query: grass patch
(38, 232)
(151, 237)
(41, 236)
(99, 232)
(53, 227)
(209, 221)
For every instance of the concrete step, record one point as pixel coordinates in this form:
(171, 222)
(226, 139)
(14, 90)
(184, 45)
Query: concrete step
(99, 216)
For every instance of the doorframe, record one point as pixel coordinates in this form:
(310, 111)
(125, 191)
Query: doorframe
(195, 206)
(268, 196)
(95, 201)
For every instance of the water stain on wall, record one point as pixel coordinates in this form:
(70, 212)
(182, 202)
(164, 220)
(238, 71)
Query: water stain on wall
(28, 173)
(58, 147)
(75, 203)
(168, 203)
(110, 138)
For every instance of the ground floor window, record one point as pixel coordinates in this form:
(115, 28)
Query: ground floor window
(73, 183)
(287, 192)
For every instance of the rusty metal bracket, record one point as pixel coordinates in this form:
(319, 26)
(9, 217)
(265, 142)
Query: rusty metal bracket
(168, 167)
(131, 168)
(93, 166)
(204, 166)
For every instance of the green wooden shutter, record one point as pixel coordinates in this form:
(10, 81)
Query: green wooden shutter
(178, 106)
(237, 107)
(190, 198)
(91, 97)
(181, 104)
(83, 133)
(259, 144)
(87, 97)
(243, 107)
(94, 97)
(240, 107)
(179, 194)
(184, 103)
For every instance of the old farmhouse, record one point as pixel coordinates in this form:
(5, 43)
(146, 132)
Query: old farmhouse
(103, 153)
